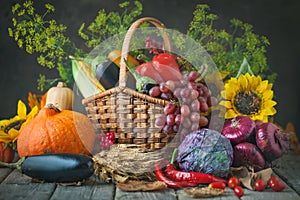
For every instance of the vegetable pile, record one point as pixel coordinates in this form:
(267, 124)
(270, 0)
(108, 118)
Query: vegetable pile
(255, 144)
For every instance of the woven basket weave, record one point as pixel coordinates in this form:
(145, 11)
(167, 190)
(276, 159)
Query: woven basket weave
(129, 114)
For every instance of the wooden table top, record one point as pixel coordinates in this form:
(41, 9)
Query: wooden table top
(14, 185)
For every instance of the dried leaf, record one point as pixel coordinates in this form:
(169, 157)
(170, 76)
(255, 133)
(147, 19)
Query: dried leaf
(134, 186)
(248, 178)
(204, 192)
(290, 129)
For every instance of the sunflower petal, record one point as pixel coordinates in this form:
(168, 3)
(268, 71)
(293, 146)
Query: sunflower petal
(270, 86)
(243, 82)
(14, 134)
(4, 137)
(263, 86)
(4, 123)
(22, 110)
(269, 111)
(257, 117)
(268, 94)
(269, 104)
(230, 113)
(30, 116)
(226, 104)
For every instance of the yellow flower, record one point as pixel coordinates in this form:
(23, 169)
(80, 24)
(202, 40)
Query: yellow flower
(248, 95)
(11, 128)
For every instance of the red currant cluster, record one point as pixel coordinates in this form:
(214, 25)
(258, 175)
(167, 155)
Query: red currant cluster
(106, 140)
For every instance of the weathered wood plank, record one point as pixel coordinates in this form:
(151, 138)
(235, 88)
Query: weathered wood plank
(166, 194)
(4, 173)
(288, 193)
(288, 169)
(26, 191)
(16, 177)
(95, 192)
(226, 196)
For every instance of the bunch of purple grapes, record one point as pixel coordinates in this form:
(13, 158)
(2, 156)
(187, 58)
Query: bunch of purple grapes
(190, 102)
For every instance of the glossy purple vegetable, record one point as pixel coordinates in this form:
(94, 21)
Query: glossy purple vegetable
(239, 129)
(248, 155)
(271, 141)
(60, 168)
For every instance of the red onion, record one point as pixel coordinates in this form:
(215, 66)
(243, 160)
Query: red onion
(239, 129)
(248, 155)
(271, 141)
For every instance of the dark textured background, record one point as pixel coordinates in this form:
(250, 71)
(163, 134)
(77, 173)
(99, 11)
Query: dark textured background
(278, 20)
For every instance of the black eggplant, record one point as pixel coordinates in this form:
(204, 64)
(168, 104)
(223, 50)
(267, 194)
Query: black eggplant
(107, 74)
(60, 168)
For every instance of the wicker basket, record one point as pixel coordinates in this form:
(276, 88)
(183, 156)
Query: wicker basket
(129, 114)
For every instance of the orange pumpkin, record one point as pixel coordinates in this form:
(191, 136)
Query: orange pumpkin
(7, 154)
(55, 131)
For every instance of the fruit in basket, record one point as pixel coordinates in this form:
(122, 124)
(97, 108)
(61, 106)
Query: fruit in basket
(190, 103)
(239, 129)
(55, 131)
(248, 155)
(147, 87)
(60, 96)
(271, 141)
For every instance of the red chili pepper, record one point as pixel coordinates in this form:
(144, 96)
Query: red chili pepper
(219, 185)
(196, 177)
(170, 183)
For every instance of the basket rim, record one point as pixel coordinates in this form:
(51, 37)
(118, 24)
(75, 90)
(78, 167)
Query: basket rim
(126, 90)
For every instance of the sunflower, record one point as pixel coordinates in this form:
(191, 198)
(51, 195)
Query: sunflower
(10, 128)
(248, 95)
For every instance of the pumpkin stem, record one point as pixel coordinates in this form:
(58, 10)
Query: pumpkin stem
(17, 165)
(52, 106)
(61, 84)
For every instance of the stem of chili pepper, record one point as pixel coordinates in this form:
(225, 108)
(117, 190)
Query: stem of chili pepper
(195, 177)
(170, 183)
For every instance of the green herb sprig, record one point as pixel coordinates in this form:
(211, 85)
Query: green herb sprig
(229, 48)
(108, 24)
(41, 34)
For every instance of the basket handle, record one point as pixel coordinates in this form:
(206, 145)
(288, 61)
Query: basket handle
(127, 41)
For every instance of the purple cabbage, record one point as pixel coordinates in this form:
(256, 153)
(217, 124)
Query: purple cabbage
(205, 151)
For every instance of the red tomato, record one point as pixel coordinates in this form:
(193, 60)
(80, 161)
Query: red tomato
(238, 191)
(233, 181)
(278, 187)
(276, 184)
(273, 180)
(260, 185)
(219, 185)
